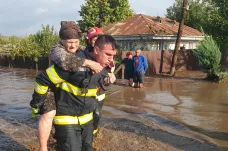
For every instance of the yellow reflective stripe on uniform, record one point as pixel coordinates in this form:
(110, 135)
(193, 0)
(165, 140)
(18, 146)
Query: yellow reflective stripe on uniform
(53, 76)
(40, 88)
(100, 97)
(95, 131)
(65, 120)
(76, 90)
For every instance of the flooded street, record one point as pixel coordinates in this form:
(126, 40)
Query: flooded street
(181, 105)
(189, 114)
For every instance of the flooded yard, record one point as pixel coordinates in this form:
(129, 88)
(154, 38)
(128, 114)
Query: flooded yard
(183, 113)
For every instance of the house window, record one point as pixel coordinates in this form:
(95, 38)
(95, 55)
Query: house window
(130, 45)
(165, 46)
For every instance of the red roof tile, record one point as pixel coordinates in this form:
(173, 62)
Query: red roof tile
(141, 24)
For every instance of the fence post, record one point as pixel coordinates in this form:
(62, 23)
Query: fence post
(123, 72)
(36, 66)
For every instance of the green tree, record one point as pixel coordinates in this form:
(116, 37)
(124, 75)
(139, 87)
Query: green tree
(217, 24)
(8, 44)
(101, 12)
(211, 15)
(26, 48)
(45, 39)
(174, 12)
(35, 45)
(196, 14)
(209, 56)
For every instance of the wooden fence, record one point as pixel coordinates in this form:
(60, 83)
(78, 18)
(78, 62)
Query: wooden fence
(158, 61)
(20, 62)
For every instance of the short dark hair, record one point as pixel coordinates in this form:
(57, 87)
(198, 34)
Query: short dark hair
(105, 39)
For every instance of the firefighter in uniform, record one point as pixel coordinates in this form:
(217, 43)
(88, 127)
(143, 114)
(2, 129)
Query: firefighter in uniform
(64, 57)
(91, 38)
(75, 96)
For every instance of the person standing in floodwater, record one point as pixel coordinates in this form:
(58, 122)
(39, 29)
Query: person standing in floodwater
(140, 66)
(64, 55)
(129, 68)
(76, 97)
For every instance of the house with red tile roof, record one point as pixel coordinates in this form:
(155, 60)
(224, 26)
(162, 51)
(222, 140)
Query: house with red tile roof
(151, 33)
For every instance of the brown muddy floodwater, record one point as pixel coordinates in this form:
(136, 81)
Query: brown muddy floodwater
(184, 106)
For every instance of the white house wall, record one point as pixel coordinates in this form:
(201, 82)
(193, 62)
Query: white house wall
(155, 45)
(187, 45)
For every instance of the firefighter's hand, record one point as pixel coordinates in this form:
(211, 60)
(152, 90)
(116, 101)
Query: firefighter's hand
(112, 77)
(112, 67)
(96, 67)
(34, 112)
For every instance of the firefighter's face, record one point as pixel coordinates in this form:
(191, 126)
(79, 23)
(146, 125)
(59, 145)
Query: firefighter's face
(71, 45)
(105, 55)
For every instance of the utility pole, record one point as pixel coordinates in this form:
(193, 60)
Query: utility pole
(179, 34)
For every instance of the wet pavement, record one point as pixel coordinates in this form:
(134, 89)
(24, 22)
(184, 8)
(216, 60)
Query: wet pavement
(185, 106)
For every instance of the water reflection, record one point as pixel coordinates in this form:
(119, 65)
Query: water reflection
(194, 102)
(199, 105)
(133, 103)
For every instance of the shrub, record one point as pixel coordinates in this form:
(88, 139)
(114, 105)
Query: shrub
(35, 45)
(209, 57)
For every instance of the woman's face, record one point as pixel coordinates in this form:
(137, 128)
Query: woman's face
(129, 56)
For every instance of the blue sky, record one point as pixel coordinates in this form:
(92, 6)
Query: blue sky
(24, 17)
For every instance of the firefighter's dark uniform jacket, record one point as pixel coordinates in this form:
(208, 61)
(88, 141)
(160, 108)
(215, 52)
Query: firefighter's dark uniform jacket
(74, 95)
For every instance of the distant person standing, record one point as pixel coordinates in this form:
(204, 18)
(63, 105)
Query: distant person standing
(140, 66)
(129, 68)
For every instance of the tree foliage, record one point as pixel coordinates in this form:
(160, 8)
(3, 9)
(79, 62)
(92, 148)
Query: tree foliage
(45, 39)
(174, 12)
(209, 56)
(8, 44)
(26, 48)
(210, 15)
(101, 12)
(196, 14)
(217, 22)
(35, 45)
